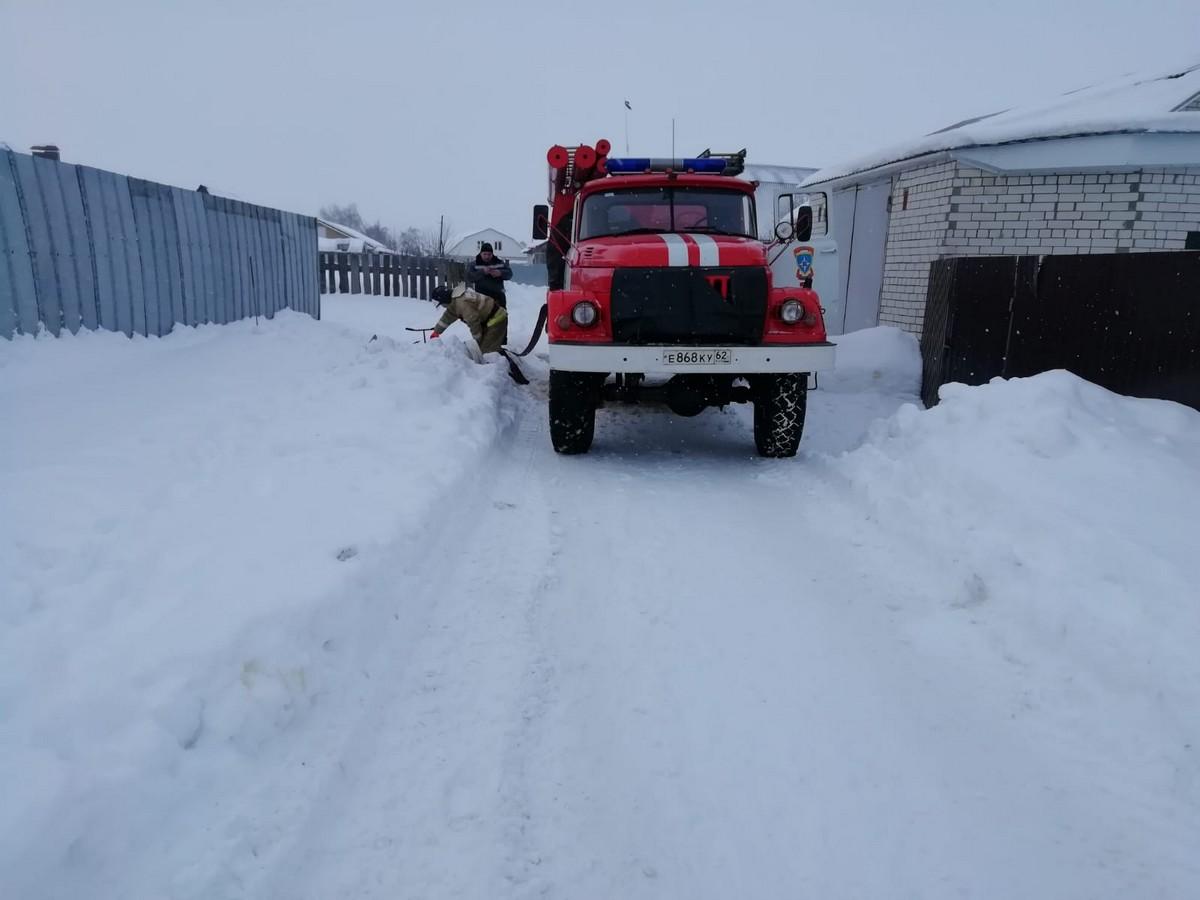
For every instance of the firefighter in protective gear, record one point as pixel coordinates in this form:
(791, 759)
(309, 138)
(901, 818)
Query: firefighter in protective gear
(483, 315)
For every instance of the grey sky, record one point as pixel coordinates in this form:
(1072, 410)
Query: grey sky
(417, 109)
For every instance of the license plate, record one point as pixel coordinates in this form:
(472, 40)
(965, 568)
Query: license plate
(696, 356)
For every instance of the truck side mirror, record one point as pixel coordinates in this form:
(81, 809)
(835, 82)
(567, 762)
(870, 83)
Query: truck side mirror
(541, 222)
(804, 223)
(784, 230)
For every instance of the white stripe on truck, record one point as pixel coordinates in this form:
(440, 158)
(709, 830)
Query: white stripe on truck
(676, 249)
(710, 253)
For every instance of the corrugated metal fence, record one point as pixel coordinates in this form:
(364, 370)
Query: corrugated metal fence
(84, 248)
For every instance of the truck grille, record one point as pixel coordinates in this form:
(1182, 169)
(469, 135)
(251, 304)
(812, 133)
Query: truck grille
(689, 305)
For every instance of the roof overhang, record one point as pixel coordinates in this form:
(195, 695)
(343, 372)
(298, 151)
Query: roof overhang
(878, 173)
(1107, 152)
(1081, 153)
(767, 174)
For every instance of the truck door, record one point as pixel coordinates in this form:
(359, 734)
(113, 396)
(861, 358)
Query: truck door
(817, 256)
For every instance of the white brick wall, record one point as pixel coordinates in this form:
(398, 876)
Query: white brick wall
(967, 212)
(916, 237)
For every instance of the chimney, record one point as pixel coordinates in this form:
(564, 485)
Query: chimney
(46, 151)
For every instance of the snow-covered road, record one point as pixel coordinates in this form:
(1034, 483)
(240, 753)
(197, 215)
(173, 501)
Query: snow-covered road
(940, 654)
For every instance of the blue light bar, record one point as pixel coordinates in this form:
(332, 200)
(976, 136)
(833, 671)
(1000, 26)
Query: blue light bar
(628, 166)
(637, 164)
(707, 166)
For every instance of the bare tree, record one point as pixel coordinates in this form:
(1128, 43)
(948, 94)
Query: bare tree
(350, 217)
(380, 234)
(343, 215)
(410, 241)
(423, 241)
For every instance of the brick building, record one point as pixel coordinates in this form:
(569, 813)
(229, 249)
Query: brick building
(1107, 169)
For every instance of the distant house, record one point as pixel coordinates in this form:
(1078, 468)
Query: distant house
(467, 245)
(333, 238)
(1112, 168)
(535, 254)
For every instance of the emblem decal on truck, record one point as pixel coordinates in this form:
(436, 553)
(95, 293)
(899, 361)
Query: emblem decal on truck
(720, 284)
(804, 262)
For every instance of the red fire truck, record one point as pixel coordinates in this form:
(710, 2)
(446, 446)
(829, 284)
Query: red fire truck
(660, 289)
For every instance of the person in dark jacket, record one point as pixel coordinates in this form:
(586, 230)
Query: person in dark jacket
(488, 274)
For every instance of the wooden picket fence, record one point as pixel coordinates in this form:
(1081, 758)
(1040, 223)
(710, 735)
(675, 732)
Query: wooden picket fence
(387, 274)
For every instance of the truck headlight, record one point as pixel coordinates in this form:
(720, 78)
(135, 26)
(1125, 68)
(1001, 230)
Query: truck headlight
(792, 311)
(585, 314)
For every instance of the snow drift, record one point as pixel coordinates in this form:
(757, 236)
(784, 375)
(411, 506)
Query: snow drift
(181, 518)
(1063, 508)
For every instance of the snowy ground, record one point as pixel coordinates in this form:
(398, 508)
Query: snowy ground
(289, 613)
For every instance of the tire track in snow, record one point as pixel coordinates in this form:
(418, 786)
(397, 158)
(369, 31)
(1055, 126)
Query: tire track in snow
(522, 859)
(425, 797)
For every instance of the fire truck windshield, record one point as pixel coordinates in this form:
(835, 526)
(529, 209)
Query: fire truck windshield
(667, 209)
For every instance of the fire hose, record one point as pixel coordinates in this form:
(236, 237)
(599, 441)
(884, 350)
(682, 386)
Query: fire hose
(537, 333)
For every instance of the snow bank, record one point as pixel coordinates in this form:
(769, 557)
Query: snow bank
(184, 519)
(878, 370)
(1049, 480)
(1062, 521)
(881, 360)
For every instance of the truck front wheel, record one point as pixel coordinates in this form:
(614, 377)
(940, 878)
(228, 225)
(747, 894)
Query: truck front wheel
(573, 398)
(779, 409)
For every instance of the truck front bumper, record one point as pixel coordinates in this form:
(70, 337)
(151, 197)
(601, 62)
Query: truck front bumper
(666, 360)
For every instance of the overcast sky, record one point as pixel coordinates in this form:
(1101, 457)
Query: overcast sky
(418, 109)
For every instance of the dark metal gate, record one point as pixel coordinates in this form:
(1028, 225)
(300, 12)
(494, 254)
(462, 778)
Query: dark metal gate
(1129, 322)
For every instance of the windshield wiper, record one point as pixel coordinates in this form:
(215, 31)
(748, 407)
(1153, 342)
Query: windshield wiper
(709, 229)
(635, 231)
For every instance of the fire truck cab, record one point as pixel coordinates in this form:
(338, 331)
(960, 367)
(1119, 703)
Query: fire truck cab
(661, 290)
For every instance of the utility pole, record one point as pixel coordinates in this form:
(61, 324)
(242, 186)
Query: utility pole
(441, 248)
(627, 109)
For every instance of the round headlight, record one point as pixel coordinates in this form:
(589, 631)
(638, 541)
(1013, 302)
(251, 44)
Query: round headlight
(791, 312)
(584, 313)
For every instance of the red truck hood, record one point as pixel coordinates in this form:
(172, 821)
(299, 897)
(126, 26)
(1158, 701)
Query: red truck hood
(638, 250)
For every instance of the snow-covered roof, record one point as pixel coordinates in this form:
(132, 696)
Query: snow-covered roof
(367, 243)
(459, 238)
(768, 174)
(1162, 102)
(349, 245)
